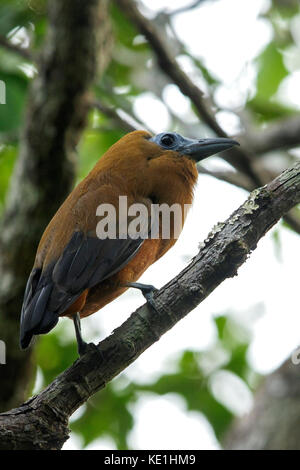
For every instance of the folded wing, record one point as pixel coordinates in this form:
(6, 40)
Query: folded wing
(85, 262)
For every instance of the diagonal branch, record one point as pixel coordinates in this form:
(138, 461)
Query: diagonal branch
(189, 7)
(127, 125)
(282, 135)
(239, 179)
(168, 64)
(236, 179)
(42, 422)
(237, 157)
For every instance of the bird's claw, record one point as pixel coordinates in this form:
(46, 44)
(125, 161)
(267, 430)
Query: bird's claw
(82, 348)
(147, 291)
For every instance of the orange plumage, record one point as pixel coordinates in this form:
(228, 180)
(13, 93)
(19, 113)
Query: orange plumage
(67, 276)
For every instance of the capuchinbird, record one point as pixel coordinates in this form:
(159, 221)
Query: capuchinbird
(76, 272)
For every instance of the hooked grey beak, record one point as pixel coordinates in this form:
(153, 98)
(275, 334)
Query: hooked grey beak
(199, 149)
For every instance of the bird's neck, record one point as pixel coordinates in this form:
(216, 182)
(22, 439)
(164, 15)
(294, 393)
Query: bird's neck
(173, 181)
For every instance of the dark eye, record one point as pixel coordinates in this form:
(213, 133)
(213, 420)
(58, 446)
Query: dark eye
(167, 140)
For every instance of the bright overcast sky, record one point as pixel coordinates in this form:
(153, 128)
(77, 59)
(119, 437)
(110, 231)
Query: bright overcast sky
(227, 35)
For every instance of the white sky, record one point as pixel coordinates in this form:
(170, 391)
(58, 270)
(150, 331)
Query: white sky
(227, 35)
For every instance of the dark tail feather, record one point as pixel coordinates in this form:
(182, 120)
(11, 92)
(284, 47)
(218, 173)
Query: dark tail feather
(35, 317)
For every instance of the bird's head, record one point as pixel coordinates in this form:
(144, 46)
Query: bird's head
(141, 156)
(194, 149)
(141, 145)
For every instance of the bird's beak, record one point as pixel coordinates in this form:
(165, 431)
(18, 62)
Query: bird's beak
(199, 149)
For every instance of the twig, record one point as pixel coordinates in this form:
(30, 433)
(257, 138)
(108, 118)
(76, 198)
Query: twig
(237, 157)
(41, 423)
(282, 135)
(241, 180)
(235, 178)
(112, 114)
(168, 64)
(240, 158)
(189, 7)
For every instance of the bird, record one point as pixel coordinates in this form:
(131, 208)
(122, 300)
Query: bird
(76, 272)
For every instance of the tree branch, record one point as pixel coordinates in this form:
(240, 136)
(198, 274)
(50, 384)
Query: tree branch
(186, 8)
(240, 158)
(237, 157)
(117, 119)
(43, 176)
(239, 179)
(282, 135)
(235, 178)
(41, 422)
(168, 64)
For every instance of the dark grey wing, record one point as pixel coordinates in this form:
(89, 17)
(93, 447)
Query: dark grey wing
(85, 262)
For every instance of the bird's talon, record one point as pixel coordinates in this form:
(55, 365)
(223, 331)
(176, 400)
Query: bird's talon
(147, 290)
(86, 347)
(82, 348)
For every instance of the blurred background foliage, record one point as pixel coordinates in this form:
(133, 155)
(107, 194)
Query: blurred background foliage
(132, 72)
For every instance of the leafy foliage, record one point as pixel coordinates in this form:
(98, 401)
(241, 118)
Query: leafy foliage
(8, 155)
(271, 72)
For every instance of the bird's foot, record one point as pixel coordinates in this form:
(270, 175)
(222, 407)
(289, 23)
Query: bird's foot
(81, 345)
(147, 291)
(89, 347)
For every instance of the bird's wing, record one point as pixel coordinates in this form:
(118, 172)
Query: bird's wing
(85, 261)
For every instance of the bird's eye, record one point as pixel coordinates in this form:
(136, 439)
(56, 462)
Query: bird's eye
(167, 140)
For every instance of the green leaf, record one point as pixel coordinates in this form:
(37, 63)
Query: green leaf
(286, 8)
(106, 414)
(54, 356)
(124, 29)
(265, 110)
(192, 385)
(271, 71)
(238, 363)
(93, 145)
(18, 13)
(11, 113)
(8, 155)
(220, 324)
(207, 75)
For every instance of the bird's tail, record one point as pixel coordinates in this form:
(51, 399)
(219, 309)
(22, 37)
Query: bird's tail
(35, 317)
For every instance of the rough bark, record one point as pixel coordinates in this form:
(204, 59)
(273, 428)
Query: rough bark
(43, 176)
(41, 423)
(274, 422)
